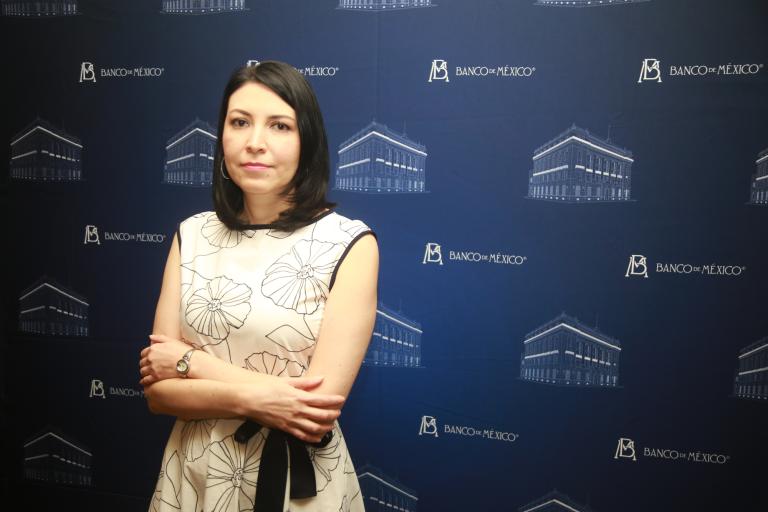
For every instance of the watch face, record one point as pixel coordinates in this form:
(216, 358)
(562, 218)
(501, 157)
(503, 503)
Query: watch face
(182, 367)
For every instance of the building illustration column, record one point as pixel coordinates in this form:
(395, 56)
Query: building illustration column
(751, 379)
(37, 8)
(758, 192)
(379, 160)
(54, 458)
(396, 340)
(49, 309)
(41, 152)
(383, 5)
(566, 352)
(382, 493)
(578, 167)
(189, 156)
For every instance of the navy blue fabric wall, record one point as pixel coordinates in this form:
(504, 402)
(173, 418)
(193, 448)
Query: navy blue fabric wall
(571, 201)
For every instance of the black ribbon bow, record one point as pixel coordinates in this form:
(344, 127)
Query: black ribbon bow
(273, 468)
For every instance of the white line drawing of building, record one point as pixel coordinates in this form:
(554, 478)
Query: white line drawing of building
(578, 167)
(55, 458)
(38, 8)
(554, 501)
(384, 5)
(202, 6)
(382, 493)
(566, 352)
(378, 160)
(189, 156)
(396, 340)
(586, 3)
(759, 188)
(42, 152)
(47, 308)
(751, 379)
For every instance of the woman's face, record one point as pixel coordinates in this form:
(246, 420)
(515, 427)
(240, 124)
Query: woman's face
(261, 140)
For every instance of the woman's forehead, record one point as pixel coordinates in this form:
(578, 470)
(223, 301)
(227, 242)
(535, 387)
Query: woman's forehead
(258, 99)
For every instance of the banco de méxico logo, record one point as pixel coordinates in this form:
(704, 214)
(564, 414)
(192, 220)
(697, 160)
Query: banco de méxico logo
(98, 390)
(440, 72)
(434, 254)
(89, 72)
(430, 427)
(639, 266)
(92, 236)
(651, 70)
(627, 450)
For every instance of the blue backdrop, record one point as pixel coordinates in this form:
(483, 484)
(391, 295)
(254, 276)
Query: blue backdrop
(570, 198)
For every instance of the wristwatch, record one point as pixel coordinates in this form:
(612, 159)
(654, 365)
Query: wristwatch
(182, 365)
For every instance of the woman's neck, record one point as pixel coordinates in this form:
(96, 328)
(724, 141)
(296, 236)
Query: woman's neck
(259, 209)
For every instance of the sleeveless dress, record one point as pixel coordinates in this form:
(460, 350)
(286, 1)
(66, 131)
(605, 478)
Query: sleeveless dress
(254, 298)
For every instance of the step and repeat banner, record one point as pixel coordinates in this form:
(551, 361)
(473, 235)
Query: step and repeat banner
(571, 201)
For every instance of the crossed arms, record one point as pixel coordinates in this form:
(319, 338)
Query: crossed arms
(305, 407)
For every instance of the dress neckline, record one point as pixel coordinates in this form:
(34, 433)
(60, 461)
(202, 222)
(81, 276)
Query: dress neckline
(272, 225)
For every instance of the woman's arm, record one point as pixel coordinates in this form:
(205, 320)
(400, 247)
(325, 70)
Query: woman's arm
(286, 404)
(350, 313)
(158, 360)
(305, 415)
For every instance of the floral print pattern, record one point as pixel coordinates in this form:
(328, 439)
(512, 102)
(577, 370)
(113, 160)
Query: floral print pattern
(221, 305)
(299, 279)
(264, 362)
(220, 235)
(353, 227)
(233, 470)
(195, 437)
(291, 339)
(326, 460)
(166, 478)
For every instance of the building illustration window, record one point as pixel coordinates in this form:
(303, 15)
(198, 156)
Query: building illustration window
(396, 341)
(36, 8)
(189, 156)
(554, 501)
(578, 167)
(586, 3)
(378, 160)
(566, 352)
(202, 6)
(382, 493)
(54, 458)
(759, 189)
(383, 5)
(47, 308)
(41, 152)
(752, 375)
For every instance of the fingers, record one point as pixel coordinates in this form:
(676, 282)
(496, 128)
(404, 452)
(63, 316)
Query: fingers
(305, 383)
(324, 401)
(159, 338)
(309, 431)
(324, 417)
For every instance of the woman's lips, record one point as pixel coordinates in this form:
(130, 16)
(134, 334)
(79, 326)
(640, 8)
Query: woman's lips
(255, 166)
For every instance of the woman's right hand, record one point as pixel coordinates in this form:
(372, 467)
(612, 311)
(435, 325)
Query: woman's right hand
(289, 405)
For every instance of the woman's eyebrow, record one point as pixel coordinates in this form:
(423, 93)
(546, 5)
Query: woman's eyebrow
(273, 116)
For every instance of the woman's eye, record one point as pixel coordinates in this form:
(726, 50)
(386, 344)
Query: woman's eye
(281, 126)
(239, 123)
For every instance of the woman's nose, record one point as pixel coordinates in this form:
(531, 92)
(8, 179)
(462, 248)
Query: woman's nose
(256, 140)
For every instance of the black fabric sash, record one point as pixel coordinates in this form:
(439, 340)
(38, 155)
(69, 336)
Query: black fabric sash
(273, 467)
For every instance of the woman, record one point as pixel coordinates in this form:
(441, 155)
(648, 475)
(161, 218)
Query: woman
(265, 313)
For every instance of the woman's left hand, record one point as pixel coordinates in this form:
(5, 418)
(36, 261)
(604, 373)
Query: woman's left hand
(158, 360)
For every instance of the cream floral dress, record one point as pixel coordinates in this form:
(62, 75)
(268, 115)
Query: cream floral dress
(254, 298)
